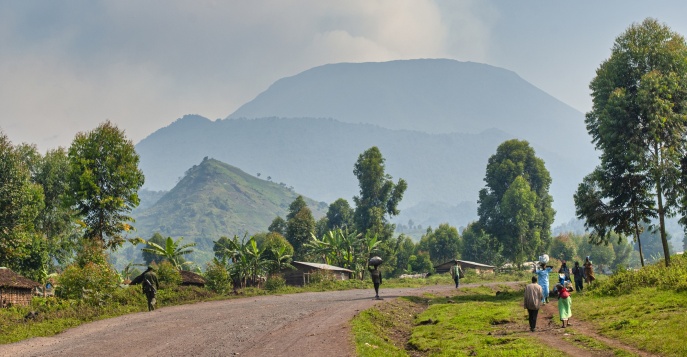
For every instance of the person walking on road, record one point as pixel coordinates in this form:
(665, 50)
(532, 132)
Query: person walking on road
(150, 284)
(564, 305)
(578, 274)
(543, 277)
(533, 301)
(588, 271)
(456, 273)
(376, 276)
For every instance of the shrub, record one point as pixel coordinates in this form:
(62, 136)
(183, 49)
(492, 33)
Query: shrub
(91, 282)
(655, 275)
(168, 275)
(218, 279)
(275, 282)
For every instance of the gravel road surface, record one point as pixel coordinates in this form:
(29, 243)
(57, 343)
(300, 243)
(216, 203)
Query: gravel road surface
(306, 324)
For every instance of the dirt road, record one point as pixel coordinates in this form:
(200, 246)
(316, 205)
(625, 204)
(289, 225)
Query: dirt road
(307, 324)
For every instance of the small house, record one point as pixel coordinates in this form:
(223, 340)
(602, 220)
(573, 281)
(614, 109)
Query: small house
(304, 270)
(465, 264)
(15, 289)
(191, 278)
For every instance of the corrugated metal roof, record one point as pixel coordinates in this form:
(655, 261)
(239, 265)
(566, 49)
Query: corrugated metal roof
(324, 266)
(467, 262)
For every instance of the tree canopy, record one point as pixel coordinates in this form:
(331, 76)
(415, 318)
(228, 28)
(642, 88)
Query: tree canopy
(20, 202)
(378, 197)
(515, 206)
(639, 123)
(103, 183)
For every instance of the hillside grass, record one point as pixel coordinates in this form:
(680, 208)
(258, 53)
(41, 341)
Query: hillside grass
(643, 308)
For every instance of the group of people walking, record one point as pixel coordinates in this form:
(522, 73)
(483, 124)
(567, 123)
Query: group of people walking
(537, 293)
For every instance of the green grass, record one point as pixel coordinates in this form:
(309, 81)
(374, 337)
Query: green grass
(377, 330)
(592, 344)
(472, 323)
(650, 319)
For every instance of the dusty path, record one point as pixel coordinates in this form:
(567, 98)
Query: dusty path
(571, 339)
(307, 324)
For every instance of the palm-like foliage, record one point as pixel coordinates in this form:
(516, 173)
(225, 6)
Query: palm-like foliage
(345, 249)
(173, 251)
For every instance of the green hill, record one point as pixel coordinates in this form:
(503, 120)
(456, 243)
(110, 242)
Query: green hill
(215, 199)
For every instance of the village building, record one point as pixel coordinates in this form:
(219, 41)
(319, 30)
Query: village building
(304, 271)
(465, 264)
(15, 289)
(191, 278)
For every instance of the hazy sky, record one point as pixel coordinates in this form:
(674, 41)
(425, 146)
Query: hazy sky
(66, 66)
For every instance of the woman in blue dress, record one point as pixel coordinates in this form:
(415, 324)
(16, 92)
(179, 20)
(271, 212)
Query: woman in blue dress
(543, 278)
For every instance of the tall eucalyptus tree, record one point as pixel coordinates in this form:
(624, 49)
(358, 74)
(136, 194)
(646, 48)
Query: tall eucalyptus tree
(639, 119)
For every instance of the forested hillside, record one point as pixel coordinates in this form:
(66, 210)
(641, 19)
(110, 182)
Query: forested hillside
(215, 199)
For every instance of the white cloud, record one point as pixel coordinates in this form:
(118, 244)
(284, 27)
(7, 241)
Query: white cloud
(68, 67)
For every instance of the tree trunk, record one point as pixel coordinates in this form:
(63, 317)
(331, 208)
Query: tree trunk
(661, 213)
(662, 223)
(639, 241)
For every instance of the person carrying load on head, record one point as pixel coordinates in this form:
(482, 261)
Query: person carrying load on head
(542, 273)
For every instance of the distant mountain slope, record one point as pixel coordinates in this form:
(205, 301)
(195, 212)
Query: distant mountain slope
(316, 156)
(428, 95)
(215, 199)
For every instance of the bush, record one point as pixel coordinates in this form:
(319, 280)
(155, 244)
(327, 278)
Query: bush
(218, 279)
(275, 282)
(91, 282)
(168, 275)
(656, 275)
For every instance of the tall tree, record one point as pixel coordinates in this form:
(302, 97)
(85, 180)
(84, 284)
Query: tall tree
(639, 115)
(300, 225)
(56, 221)
(104, 182)
(340, 215)
(379, 196)
(278, 225)
(443, 243)
(614, 200)
(20, 202)
(515, 206)
(478, 246)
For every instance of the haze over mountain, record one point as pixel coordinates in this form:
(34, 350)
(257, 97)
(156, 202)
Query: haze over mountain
(428, 95)
(436, 122)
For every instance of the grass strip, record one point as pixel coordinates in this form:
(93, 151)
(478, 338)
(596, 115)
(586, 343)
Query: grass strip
(649, 319)
(476, 321)
(593, 344)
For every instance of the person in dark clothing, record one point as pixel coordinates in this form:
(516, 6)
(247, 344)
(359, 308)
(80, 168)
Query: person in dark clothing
(578, 274)
(456, 273)
(376, 276)
(150, 285)
(565, 271)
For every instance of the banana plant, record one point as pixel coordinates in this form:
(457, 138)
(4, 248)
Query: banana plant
(173, 251)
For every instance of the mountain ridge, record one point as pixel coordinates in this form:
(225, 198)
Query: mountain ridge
(427, 95)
